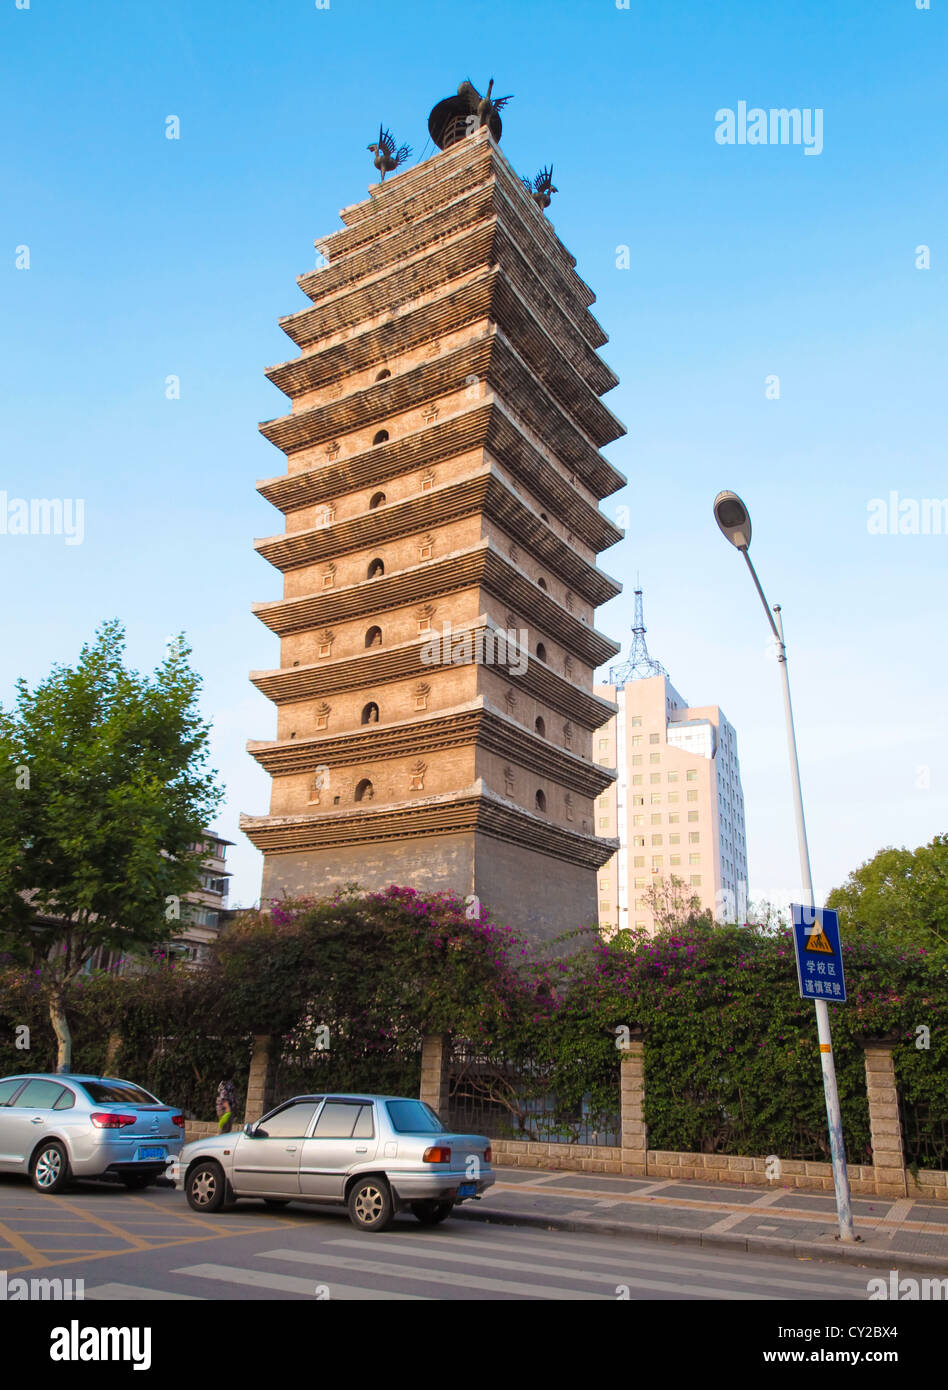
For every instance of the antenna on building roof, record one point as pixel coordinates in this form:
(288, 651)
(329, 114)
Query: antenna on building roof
(639, 665)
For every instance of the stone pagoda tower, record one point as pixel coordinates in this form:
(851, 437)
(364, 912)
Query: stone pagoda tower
(435, 705)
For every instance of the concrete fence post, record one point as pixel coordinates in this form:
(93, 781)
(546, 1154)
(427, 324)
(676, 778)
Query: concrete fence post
(634, 1141)
(435, 1073)
(888, 1155)
(260, 1080)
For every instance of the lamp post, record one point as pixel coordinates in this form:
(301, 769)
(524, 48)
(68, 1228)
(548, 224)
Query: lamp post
(734, 520)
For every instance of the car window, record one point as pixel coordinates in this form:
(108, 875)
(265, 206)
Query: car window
(413, 1117)
(8, 1089)
(291, 1123)
(364, 1125)
(117, 1093)
(38, 1095)
(66, 1100)
(337, 1120)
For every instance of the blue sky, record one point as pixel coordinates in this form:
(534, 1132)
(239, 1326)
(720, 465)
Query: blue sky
(151, 257)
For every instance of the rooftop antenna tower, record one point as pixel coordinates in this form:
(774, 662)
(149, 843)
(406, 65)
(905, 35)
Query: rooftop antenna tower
(639, 665)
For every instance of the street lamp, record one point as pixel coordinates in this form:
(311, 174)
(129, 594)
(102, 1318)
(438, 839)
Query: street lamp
(734, 520)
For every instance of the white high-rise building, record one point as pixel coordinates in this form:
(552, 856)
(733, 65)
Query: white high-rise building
(677, 806)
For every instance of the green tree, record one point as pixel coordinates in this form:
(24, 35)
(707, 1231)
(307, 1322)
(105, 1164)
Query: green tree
(900, 895)
(104, 788)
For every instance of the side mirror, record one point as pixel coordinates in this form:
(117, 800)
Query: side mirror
(248, 1127)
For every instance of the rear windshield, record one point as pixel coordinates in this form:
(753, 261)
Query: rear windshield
(117, 1093)
(413, 1117)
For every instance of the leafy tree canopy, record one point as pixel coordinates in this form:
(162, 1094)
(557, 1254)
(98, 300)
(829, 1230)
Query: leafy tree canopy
(104, 789)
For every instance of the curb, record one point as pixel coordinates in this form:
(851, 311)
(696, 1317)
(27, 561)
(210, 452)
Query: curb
(862, 1256)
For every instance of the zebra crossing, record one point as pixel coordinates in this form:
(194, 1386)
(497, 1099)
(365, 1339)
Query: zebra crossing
(505, 1263)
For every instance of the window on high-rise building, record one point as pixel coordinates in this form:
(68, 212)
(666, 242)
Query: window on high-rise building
(673, 817)
(638, 820)
(673, 777)
(694, 837)
(641, 883)
(673, 798)
(638, 801)
(655, 798)
(691, 775)
(692, 816)
(674, 839)
(654, 757)
(656, 818)
(654, 778)
(656, 862)
(695, 880)
(639, 861)
(636, 759)
(637, 779)
(657, 840)
(692, 796)
(675, 860)
(639, 841)
(635, 740)
(654, 738)
(694, 858)
(636, 721)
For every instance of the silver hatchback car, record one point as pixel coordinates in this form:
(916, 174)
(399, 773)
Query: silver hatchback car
(59, 1126)
(374, 1154)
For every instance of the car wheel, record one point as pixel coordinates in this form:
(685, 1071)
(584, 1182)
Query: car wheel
(370, 1205)
(432, 1213)
(206, 1187)
(49, 1169)
(275, 1202)
(137, 1182)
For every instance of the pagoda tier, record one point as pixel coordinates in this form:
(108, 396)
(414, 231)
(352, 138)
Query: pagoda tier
(435, 709)
(476, 426)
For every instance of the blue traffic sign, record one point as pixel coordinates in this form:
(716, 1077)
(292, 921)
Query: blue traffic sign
(819, 953)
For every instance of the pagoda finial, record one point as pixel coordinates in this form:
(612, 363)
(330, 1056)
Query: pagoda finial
(465, 114)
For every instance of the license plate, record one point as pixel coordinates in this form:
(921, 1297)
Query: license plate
(152, 1153)
(467, 1189)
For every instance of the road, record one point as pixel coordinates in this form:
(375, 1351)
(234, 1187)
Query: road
(152, 1246)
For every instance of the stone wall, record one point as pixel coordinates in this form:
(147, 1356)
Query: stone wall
(887, 1177)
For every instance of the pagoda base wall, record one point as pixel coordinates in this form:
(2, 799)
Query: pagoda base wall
(535, 894)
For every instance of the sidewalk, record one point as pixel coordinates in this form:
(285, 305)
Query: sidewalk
(903, 1234)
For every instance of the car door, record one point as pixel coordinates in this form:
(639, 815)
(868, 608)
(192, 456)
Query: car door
(8, 1089)
(28, 1118)
(345, 1136)
(268, 1159)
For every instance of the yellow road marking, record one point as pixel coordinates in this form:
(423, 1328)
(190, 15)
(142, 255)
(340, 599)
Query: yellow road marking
(201, 1221)
(16, 1242)
(92, 1255)
(135, 1241)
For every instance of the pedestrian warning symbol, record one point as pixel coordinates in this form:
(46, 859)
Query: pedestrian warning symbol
(819, 953)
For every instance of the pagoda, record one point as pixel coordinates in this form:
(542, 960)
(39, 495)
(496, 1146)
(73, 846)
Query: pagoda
(435, 703)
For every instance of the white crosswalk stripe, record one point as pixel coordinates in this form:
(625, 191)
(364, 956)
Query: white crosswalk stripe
(464, 1279)
(426, 1275)
(289, 1283)
(833, 1279)
(132, 1293)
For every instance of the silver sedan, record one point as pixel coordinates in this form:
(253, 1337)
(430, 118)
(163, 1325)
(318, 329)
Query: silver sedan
(376, 1155)
(56, 1126)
